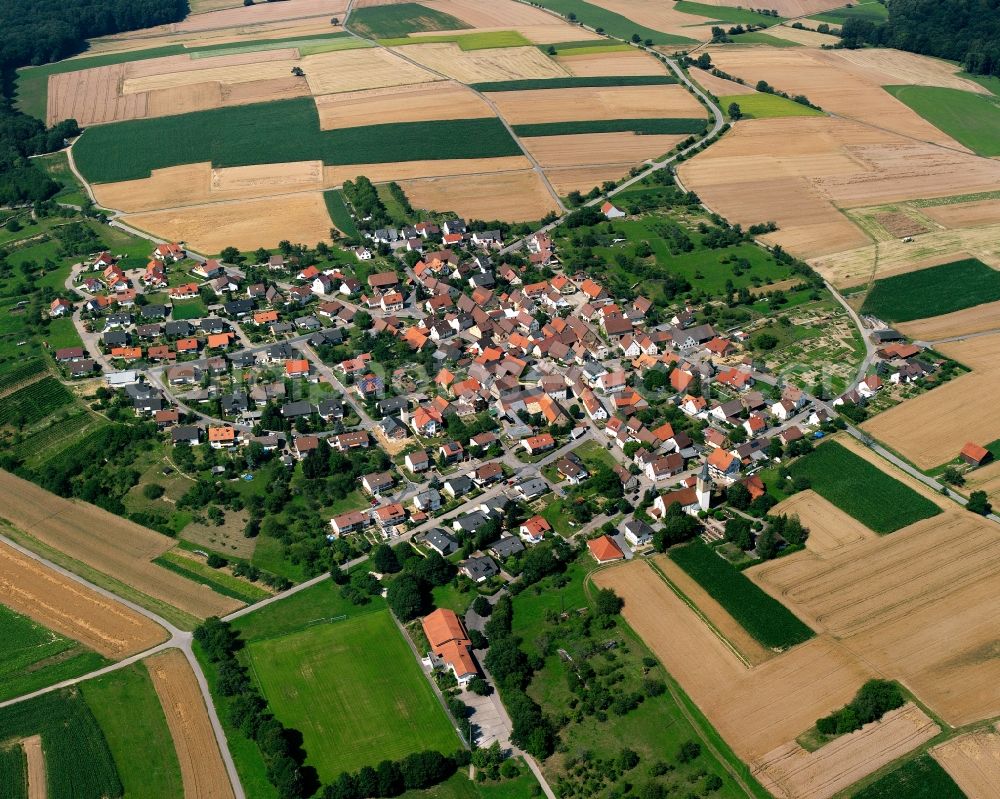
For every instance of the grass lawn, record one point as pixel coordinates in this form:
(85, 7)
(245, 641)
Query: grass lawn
(258, 134)
(269, 555)
(919, 778)
(767, 106)
(128, 710)
(766, 619)
(401, 19)
(56, 166)
(188, 309)
(449, 596)
(573, 83)
(862, 490)
(587, 48)
(991, 82)
(339, 215)
(641, 126)
(616, 25)
(933, 291)
(483, 40)
(971, 119)
(63, 333)
(33, 656)
(874, 11)
(726, 14)
(355, 692)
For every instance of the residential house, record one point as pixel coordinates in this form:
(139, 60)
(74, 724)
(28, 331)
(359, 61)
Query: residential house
(534, 529)
(450, 644)
(350, 522)
(605, 550)
(479, 569)
(442, 543)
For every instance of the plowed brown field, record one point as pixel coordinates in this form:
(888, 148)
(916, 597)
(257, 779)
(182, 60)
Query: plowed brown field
(202, 771)
(788, 8)
(505, 14)
(419, 103)
(983, 212)
(108, 543)
(583, 178)
(260, 13)
(973, 761)
(509, 196)
(71, 609)
(613, 102)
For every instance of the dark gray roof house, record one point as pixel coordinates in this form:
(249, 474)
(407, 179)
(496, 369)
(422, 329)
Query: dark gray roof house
(293, 410)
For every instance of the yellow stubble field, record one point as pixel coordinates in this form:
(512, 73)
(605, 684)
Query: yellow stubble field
(508, 196)
(414, 103)
(612, 102)
(481, 66)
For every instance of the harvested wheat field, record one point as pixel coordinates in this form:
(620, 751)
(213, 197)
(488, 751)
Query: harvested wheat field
(35, 757)
(985, 478)
(613, 63)
(354, 70)
(894, 257)
(260, 13)
(849, 83)
(334, 176)
(419, 103)
(604, 149)
(508, 196)
(583, 178)
(107, 543)
(660, 16)
(202, 771)
(246, 224)
(959, 323)
(801, 36)
(792, 772)
(71, 609)
(720, 87)
(983, 212)
(91, 96)
(973, 761)
(246, 72)
(752, 651)
(756, 709)
(612, 102)
(205, 96)
(787, 8)
(480, 66)
(505, 14)
(927, 429)
(830, 529)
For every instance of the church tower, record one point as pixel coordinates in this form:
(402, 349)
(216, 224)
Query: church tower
(703, 490)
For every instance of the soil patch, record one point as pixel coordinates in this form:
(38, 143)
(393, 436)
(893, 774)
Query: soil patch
(37, 783)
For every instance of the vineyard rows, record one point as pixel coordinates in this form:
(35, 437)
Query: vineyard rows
(47, 442)
(34, 402)
(20, 373)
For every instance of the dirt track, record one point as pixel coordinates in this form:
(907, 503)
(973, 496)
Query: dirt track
(69, 608)
(202, 770)
(37, 783)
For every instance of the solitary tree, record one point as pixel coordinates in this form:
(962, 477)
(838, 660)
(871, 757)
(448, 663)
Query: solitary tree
(734, 111)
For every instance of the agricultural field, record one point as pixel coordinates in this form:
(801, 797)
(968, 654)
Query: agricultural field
(918, 778)
(401, 19)
(354, 691)
(596, 103)
(973, 761)
(416, 103)
(863, 491)
(194, 569)
(511, 196)
(756, 37)
(933, 291)
(830, 529)
(615, 23)
(598, 81)
(970, 119)
(767, 620)
(726, 13)
(127, 710)
(34, 656)
(33, 402)
(767, 106)
(873, 11)
(640, 127)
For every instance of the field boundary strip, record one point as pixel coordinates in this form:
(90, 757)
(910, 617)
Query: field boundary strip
(699, 613)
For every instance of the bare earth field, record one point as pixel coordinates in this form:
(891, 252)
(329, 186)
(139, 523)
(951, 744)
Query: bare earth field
(830, 529)
(792, 771)
(927, 429)
(334, 176)
(598, 148)
(613, 102)
(37, 783)
(509, 196)
(744, 643)
(202, 771)
(973, 761)
(720, 87)
(73, 610)
(756, 709)
(960, 323)
(660, 17)
(419, 103)
(370, 68)
(106, 542)
(476, 66)
(246, 224)
(614, 63)
(801, 36)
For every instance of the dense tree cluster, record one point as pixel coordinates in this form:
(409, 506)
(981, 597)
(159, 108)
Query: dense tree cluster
(961, 30)
(874, 699)
(391, 778)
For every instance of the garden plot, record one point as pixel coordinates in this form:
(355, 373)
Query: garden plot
(480, 66)
(419, 103)
(593, 103)
(509, 196)
(71, 609)
(973, 761)
(246, 224)
(927, 429)
(611, 63)
(830, 529)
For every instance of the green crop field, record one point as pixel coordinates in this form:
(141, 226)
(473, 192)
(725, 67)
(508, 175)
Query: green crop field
(305, 45)
(756, 37)
(573, 83)
(128, 710)
(638, 126)
(33, 657)
(767, 106)
(919, 778)
(588, 48)
(384, 22)
(876, 12)
(861, 490)
(609, 22)
(766, 619)
(34, 402)
(13, 773)
(969, 118)
(933, 291)
(726, 14)
(259, 134)
(78, 763)
(355, 692)
(483, 40)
